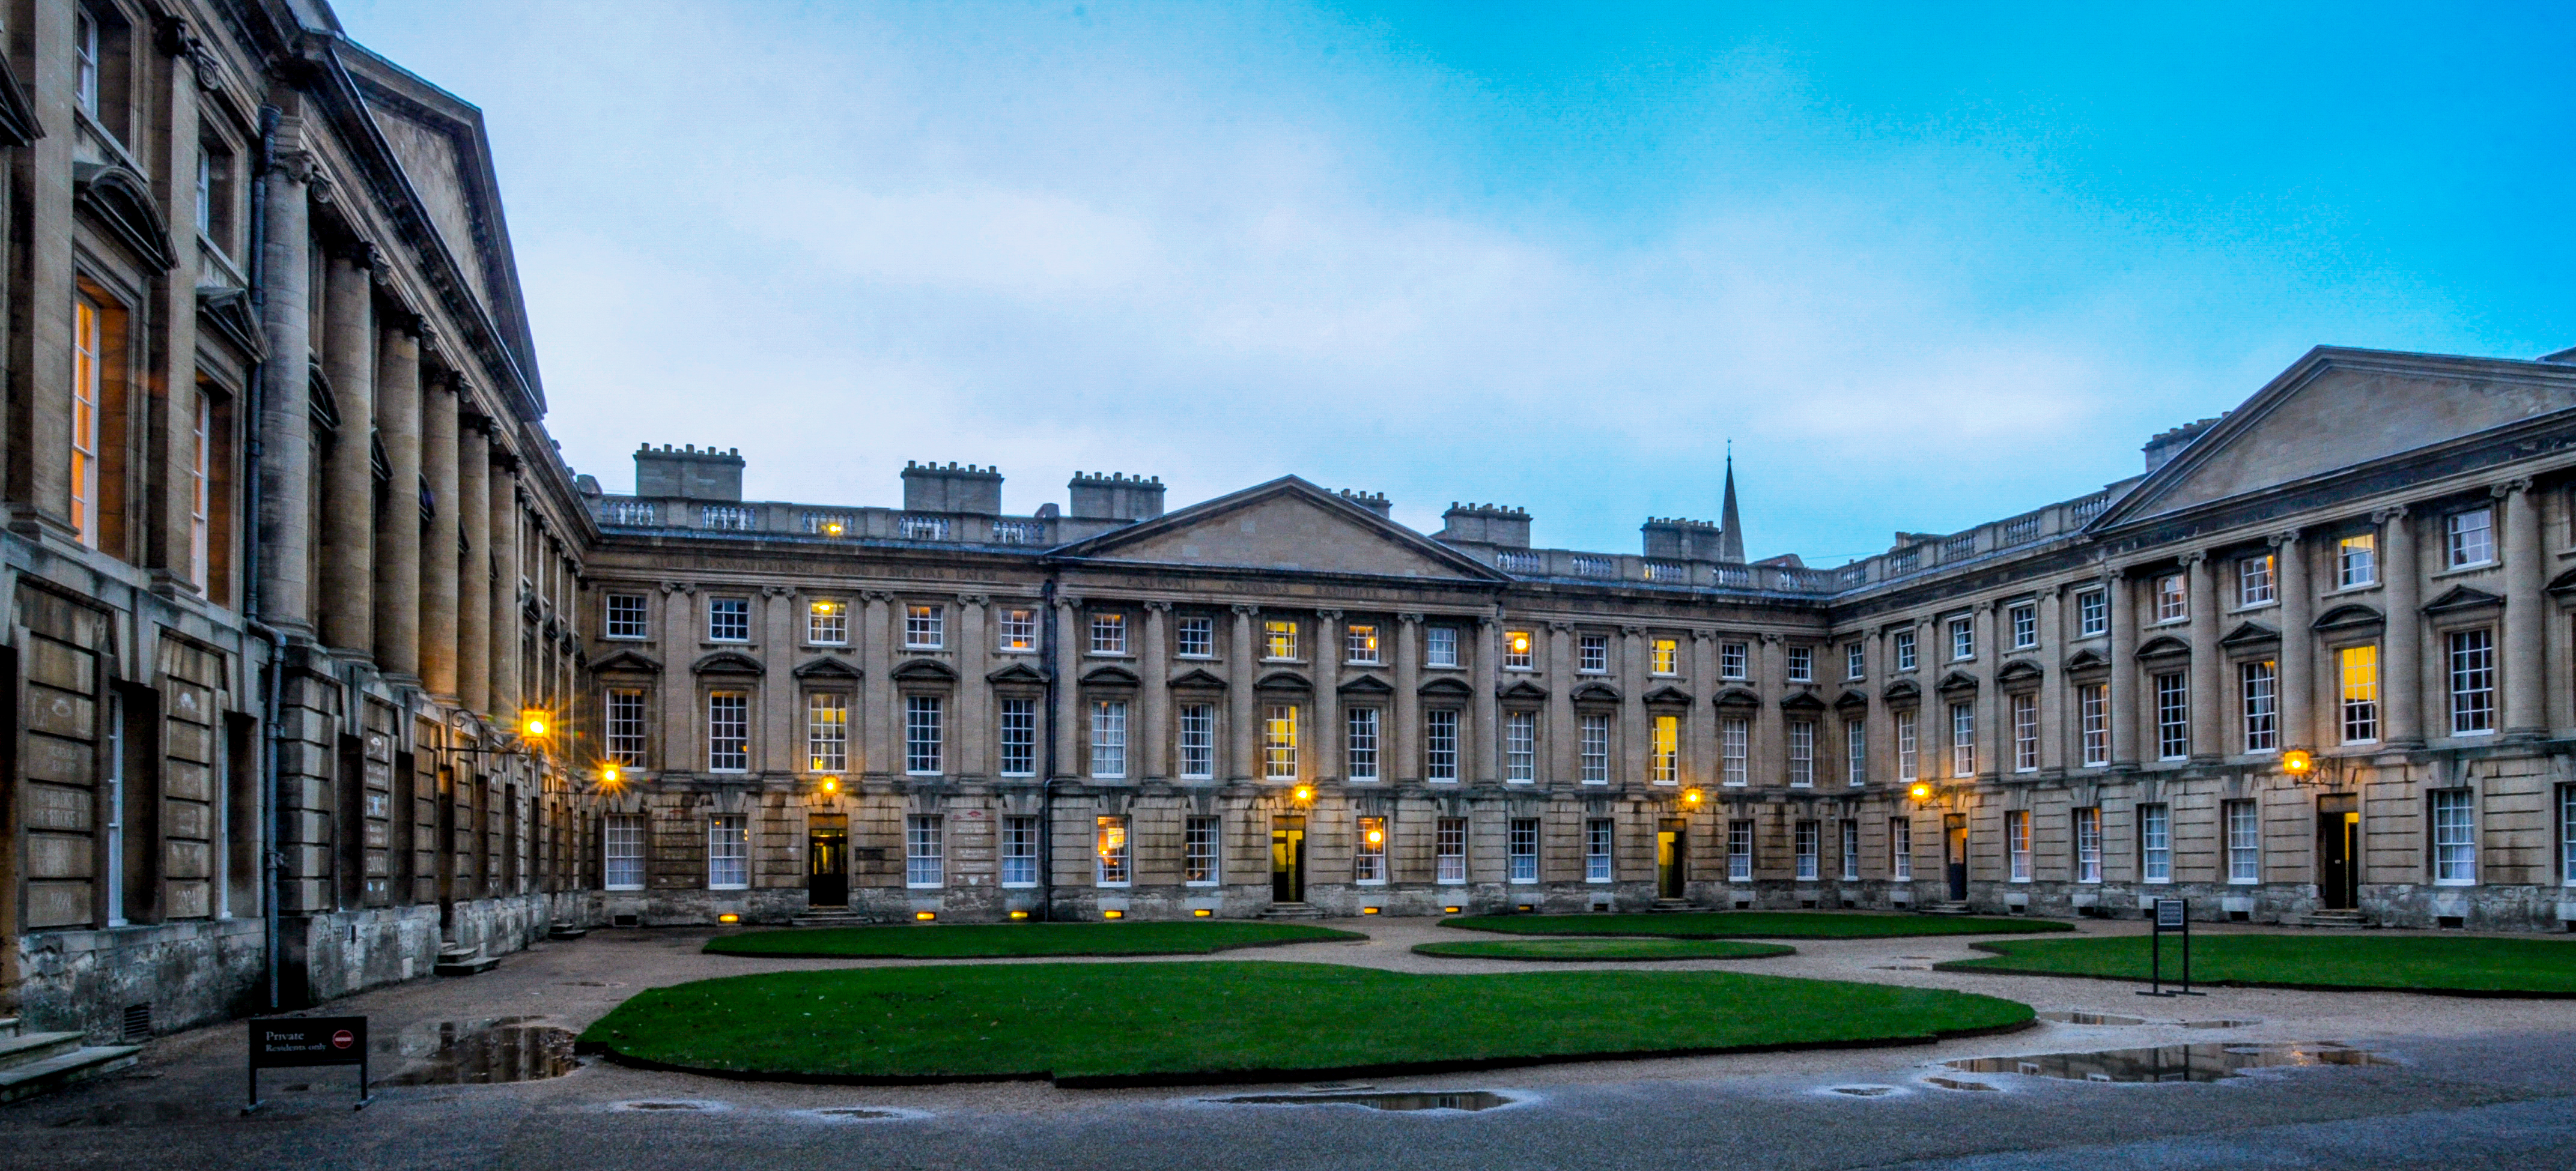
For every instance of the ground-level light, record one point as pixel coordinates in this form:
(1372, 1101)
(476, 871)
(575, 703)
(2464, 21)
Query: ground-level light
(608, 775)
(1019, 914)
(1451, 910)
(1113, 913)
(925, 916)
(1202, 912)
(1368, 910)
(728, 917)
(1691, 796)
(532, 725)
(831, 784)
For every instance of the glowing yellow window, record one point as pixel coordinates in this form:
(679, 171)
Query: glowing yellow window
(1668, 657)
(2359, 666)
(1667, 749)
(1280, 638)
(1279, 742)
(827, 622)
(1516, 649)
(1360, 644)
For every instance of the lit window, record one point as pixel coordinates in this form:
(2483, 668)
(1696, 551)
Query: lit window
(1905, 650)
(2470, 537)
(827, 622)
(626, 726)
(2092, 612)
(2359, 667)
(1440, 744)
(2088, 844)
(728, 732)
(2173, 716)
(2455, 847)
(1198, 741)
(1851, 850)
(1667, 657)
(1197, 636)
(827, 733)
(1019, 737)
(2254, 580)
(1279, 638)
(626, 616)
(1440, 646)
(2093, 718)
(88, 384)
(2173, 603)
(2017, 844)
(1520, 746)
(1963, 638)
(923, 864)
(2025, 626)
(1802, 664)
(729, 620)
(1734, 734)
(2472, 682)
(1739, 851)
(2025, 726)
(1596, 749)
(1802, 753)
(1963, 739)
(2244, 841)
(1450, 850)
(925, 627)
(1109, 851)
(1199, 852)
(1369, 853)
(1732, 659)
(1361, 743)
(1856, 752)
(1019, 630)
(1524, 849)
(1592, 653)
(2357, 561)
(2155, 843)
(1855, 661)
(1900, 848)
(1279, 742)
(1109, 738)
(1598, 833)
(921, 739)
(728, 851)
(1109, 634)
(2258, 686)
(1359, 644)
(1807, 834)
(1019, 851)
(1908, 758)
(1664, 761)
(622, 840)
(1516, 650)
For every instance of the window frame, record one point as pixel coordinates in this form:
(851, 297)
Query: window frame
(1521, 847)
(1850, 835)
(1735, 751)
(1360, 644)
(2453, 838)
(1906, 658)
(1963, 738)
(2258, 697)
(1113, 865)
(2155, 843)
(728, 841)
(1663, 749)
(1518, 651)
(2240, 820)
(1963, 638)
(1808, 841)
(1594, 729)
(1360, 746)
(728, 607)
(2469, 660)
(2024, 711)
(610, 626)
(2023, 620)
(624, 830)
(1520, 747)
(1015, 719)
(2017, 845)
(2173, 598)
(2093, 723)
(1280, 641)
(827, 622)
(1440, 745)
(2092, 613)
(2357, 702)
(2258, 580)
(1592, 654)
(1856, 751)
(1900, 849)
(1909, 745)
(924, 735)
(1802, 664)
(1664, 657)
(1600, 844)
(1739, 849)
(2088, 845)
(2467, 545)
(1440, 646)
(1019, 632)
(739, 725)
(1203, 850)
(827, 732)
(1368, 859)
(1108, 741)
(2172, 695)
(1194, 636)
(925, 626)
(1019, 851)
(924, 852)
(2357, 561)
(1108, 633)
(1449, 851)
(1800, 735)
(1734, 660)
(1279, 756)
(625, 737)
(1195, 735)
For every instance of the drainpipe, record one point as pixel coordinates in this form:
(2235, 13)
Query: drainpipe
(1046, 781)
(274, 680)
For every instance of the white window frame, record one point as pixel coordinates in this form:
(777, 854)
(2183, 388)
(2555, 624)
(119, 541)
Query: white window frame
(1109, 633)
(1856, 751)
(1368, 859)
(1019, 632)
(1734, 740)
(925, 627)
(2025, 727)
(1449, 851)
(729, 851)
(2088, 844)
(827, 732)
(1734, 660)
(827, 622)
(1963, 739)
(1963, 639)
(1802, 754)
(1018, 724)
(2357, 561)
(1279, 640)
(738, 610)
(1600, 837)
(2454, 837)
(1440, 745)
(1802, 664)
(2258, 691)
(1019, 851)
(623, 860)
(2155, 843)
(1900, 848)
(1521, 845)
(1905, 656)
(1592, 654)
(2017, 845)
(611, 625)
(1195, 636)
(1851, 850)
(2093, 722)
(1360, 644)
(2567, 835)
(1739, 850)
(1810, 846)
(2173, 598)
(2468, 538)
(1663, 749)
(625, 719)
(2470, 655)
(1203, 851)
(1198, 741)
(2357, 703)
(1279, 741)
(1112, 851)
(1664, 657)
(924, 735)
(2173, 714)
(1519, 650)
(728, 731)
(1596, 748)
(2257, 580)
(2242, 820)
(2092, 613)
(2024, 621)
(925, 863)
(1520, 747)
(1440, 646)
(1360, 742)
(1909, 755)
(1855, 660)
(1109, 739)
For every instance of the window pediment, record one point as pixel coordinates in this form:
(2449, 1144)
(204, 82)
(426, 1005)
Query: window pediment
(1199, 679)
(1668, 694)
(1851, 698)
(923, 670)
(825, 667)
(2250, 634)
(1738, 697)
(1284, 681)
(1524, 689)
(1596, 693)
(1902, 689)
(2165, 647)
(626, 660)
(2020, 671)
(1366, 685)
(727, 663)
(2347, 616)
(1804, 701)
(1446, 687)
(121, 202)
(2459, 598)
(1110, 677)
(1957, 681)
(1020, 673)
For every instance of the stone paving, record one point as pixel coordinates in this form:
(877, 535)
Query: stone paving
(2472, 1080)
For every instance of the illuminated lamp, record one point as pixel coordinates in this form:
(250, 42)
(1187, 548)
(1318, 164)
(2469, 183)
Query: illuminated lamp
(2298, 762)
(1113, 913)
(831, 784)
(1202, 913)
(1376, 837)
(1302, 794)
(1526, 907)
(1451, 910)
(1019, 914)
(608, 775)
(1368, 910)
(532, 724)
(831, 528)
(925, 916)
(1920, 791)
(728, 917)
(1691, 796)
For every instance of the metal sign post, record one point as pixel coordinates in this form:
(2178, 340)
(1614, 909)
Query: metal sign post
(294, 1042)
(2171, 915)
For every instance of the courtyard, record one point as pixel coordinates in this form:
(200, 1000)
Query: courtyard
(2378, 1079)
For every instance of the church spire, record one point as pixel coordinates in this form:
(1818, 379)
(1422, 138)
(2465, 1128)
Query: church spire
(1730, 540)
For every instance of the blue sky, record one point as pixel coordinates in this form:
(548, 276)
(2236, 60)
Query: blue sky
(1924, 265)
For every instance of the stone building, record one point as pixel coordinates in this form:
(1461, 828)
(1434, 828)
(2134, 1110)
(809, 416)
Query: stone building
(2313, 664)
(287, 550)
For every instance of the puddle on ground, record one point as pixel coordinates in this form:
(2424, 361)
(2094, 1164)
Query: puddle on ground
(482, 1052)
(862, 1114)
(1864, 1091)
(590, 984)
(1952, 1083)
(1382, 1100)
(2220, 1024)
(651, 1106)
(1900, 967)
(2091, 1018)
(2171, 1063)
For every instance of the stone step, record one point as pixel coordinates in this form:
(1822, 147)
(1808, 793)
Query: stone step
(1292, 911)
(566, 931)
(62, 1069)
(1945, 908)
(2345, 920)
(469, 964)
(1670, 906)
(34, 1047)
(828, 919)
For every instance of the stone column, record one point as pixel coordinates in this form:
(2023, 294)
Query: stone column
(1634, 733)
(1879, 730)
(474, 573)
(1243, 665)
(347, 607)
(2297, 700)
(1768, 755)
(438, 560)
(2401, 654)
(1404, 736)
(1699, 723)
(2525, 574)
(1152, 735)
(780, 716)
(681, 718)
(1558, 764)
(285, 523)
(2209, 733)
(881, 627)
(507, 624)
(1329, 760)
(2053, 694)
(972, 745)
(1479, 740)
(398, 531)
(1994, 729)
(2123, 713)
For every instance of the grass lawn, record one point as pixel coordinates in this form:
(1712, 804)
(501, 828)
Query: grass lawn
(1757, 924)
(2412, 963)
(1105, 1024)
(1573, 950)
(1007, 940)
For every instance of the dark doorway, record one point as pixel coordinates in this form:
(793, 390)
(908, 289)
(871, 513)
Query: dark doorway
(2338, 852)
(1955, 854)
(1287, 859)
(827, 860)
(1671, 858)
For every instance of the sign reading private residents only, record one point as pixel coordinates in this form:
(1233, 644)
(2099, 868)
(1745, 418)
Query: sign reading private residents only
(293, 1042)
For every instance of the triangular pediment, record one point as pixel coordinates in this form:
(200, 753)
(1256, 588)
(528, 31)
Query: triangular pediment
(1902, 689)
(726, 663)
(1524, 690)
(2461, 598)
(2250, 633)
(2019, 670)
(1669, 694)
(1017, 673)
(626, 660)
(1200, 679)
(1804, 701)
(2340, 409)
(1957, 681)
(1851, 699)
(2086, 660)
(1286, 524)
(826, 666)
(1366, 685)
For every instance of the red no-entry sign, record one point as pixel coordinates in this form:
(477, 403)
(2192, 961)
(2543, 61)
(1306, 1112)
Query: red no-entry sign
(343, 1039)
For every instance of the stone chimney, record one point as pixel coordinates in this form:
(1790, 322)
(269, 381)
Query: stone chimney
(1670, 538)
(954, 488)
(1485, 524)
(2161, 449)
(1374, 502)
(688, 473)
(1115, 496)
